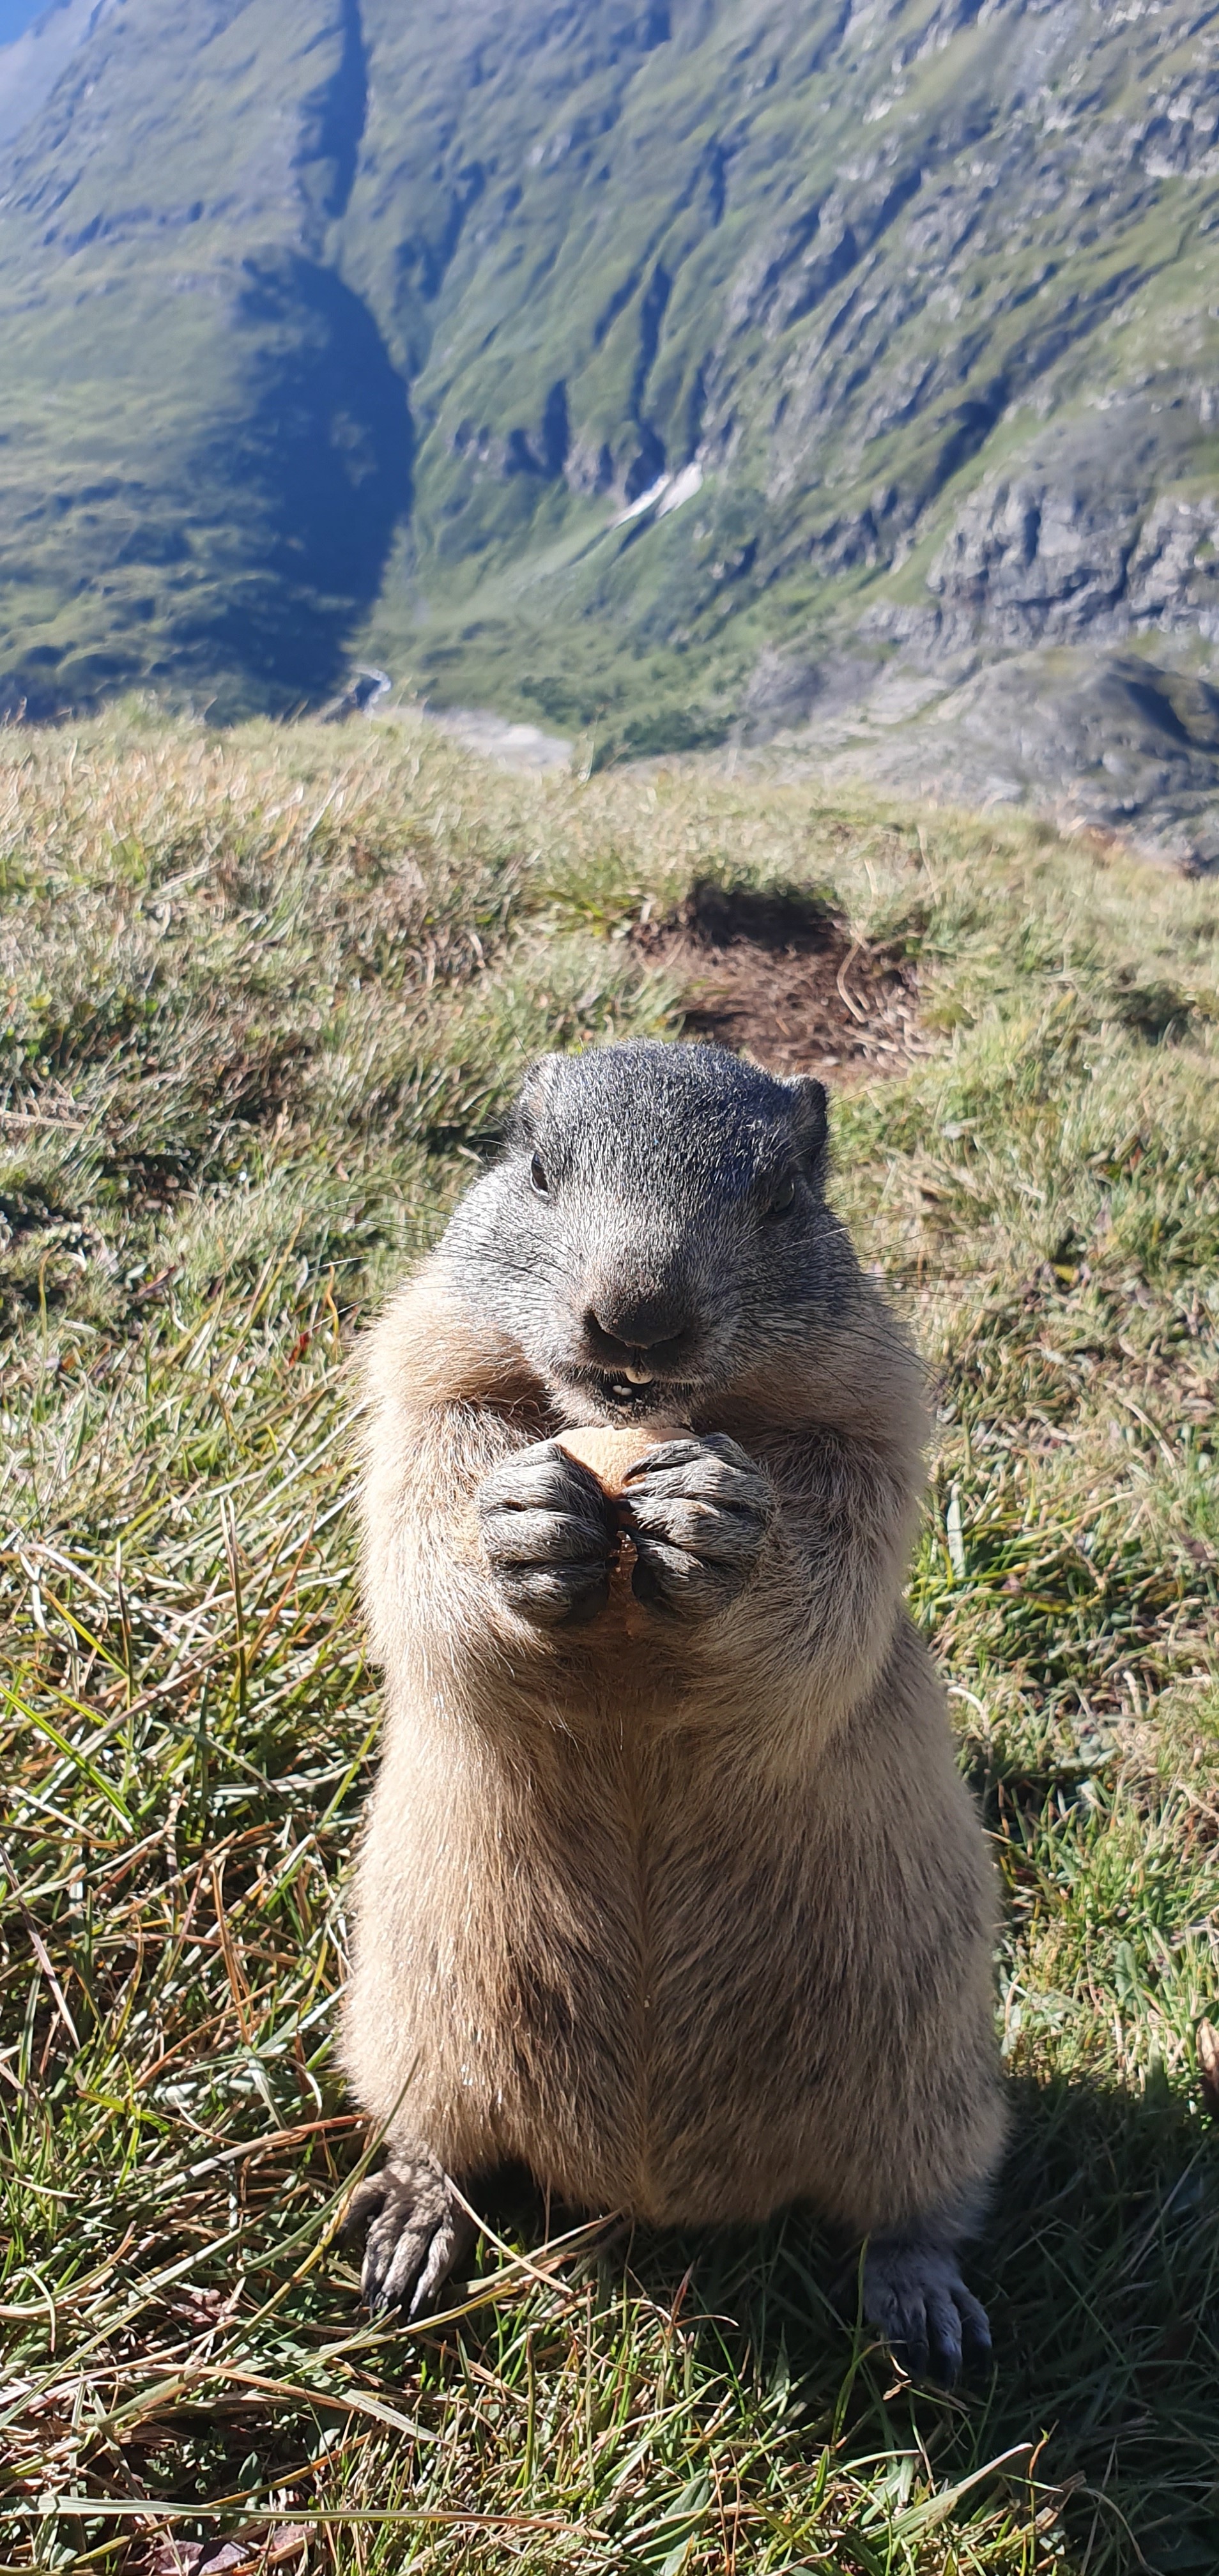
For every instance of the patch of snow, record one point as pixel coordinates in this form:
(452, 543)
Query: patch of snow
(682, 488)
(665, 494)
(646, 501)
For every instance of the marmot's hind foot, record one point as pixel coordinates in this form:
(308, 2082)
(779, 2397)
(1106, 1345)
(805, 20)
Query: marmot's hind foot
(914, 2295)
(417, 2235)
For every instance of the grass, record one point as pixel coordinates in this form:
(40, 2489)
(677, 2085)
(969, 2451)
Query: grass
(266, 998)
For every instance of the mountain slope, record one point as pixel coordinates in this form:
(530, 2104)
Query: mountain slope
(31, 62)
(206, 447)
(890, 325)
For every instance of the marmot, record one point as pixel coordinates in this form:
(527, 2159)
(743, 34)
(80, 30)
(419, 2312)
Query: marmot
(689, 1912)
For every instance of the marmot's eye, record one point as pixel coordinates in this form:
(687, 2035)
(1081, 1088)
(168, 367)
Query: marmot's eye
(783, 1198)
(537, 1177)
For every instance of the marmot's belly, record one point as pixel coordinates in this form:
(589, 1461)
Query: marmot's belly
(686, 2164)
(728, 2020)
(710, 2101)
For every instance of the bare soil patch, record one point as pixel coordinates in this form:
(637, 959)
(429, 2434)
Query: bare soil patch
(776, 975)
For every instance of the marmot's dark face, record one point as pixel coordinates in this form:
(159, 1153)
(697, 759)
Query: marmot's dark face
(655, 1227)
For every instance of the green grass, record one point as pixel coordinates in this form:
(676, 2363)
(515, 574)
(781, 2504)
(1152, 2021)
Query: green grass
(266, 997)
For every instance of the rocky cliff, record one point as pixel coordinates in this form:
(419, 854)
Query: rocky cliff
(668, 368)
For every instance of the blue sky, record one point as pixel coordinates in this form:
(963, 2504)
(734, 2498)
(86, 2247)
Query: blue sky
(16, 15)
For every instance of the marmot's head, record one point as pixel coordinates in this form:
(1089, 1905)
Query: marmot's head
(655, 1226)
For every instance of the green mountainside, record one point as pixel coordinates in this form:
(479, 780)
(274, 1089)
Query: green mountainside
(348, 326)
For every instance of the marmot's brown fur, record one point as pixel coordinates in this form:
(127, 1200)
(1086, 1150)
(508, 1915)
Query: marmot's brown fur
(690, 1911)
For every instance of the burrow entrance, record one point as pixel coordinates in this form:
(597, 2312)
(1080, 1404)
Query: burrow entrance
(776, 974)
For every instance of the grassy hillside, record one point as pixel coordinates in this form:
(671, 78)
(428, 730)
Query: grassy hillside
(266, 999)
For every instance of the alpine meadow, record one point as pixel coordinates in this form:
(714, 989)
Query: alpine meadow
(268, 992)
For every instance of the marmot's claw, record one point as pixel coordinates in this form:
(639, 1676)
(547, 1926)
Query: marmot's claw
(699, 1512)
(549, 1534)
(698, 1452)
(914, 2295)
(417, 2236)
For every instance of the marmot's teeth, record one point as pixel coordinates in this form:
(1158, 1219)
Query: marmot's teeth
(638, 1377)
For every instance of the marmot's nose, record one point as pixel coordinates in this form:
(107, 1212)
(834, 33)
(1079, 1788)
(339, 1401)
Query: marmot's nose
(638, 1322)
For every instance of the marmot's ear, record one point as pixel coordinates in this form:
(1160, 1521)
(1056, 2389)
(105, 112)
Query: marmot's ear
(530, 1099)
(810, 1116)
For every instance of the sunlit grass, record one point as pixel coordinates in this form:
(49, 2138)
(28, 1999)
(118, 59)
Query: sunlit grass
(266, 998)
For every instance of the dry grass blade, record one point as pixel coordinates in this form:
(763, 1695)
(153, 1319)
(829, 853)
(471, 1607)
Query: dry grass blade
(1208, 2067)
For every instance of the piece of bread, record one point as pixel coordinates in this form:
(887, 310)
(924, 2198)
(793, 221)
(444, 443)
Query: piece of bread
(611, 1453)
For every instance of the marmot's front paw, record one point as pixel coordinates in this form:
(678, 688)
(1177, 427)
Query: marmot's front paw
(550, 1534)
(417, 2233)
(699, 1512)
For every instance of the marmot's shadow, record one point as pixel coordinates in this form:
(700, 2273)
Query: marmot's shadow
(1100, 2269)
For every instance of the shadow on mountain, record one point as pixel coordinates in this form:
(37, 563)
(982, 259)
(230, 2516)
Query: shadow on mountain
(318, 467)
